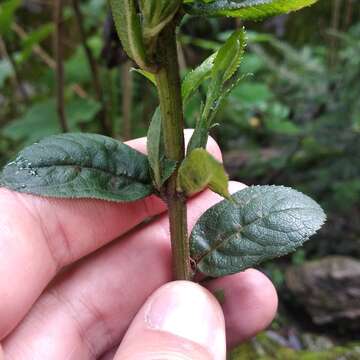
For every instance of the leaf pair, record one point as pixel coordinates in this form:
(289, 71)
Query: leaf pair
(260, 222)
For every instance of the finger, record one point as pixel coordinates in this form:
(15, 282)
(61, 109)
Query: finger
(250, 304)
(109, 355)
(181, 320)
(88, 310)
(39, 236)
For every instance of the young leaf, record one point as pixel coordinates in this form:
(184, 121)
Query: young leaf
(262, 223)
(246, 9)
(148, 75)
(229, 56)
(128, 27)
(154, 146)
(80, 166)
(196, 77)
(200, 170)
(156, 15)
(161, 168)
(224, 74)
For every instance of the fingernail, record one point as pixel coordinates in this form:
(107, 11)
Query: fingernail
(187, 310)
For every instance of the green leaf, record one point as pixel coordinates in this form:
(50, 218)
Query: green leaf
(246, 9)
(224, 77)
(33, 39)
(200, 170)
(262, 223)
(40, 116)
(81, 110)
(154, 146)
(156, 15)
(7, 12)
(199, 137)
(128, 27)
(80, 166)
(162, 168)
(43, 117)
(196, 77)
(148, 75)
(229, 56)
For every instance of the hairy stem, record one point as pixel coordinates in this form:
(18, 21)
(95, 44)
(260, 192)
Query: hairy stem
(169, 88)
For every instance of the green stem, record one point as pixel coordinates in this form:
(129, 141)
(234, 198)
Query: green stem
(169, 88)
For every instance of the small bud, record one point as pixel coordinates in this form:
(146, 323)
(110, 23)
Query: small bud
(156, 15)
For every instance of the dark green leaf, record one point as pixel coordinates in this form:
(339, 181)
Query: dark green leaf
(199, 137)
(246, 9)
(128, 27)
(200, 170)
(262, 223)
(154, 146)
(80, 166)
(167, 169)
(161, 168)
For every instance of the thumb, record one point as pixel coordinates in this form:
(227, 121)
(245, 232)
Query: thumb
(181, 320)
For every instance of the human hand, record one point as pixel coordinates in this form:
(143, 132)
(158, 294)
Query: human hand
(64, 294)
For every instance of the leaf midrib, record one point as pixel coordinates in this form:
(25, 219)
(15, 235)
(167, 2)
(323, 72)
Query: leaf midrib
(226, 238)
(90, 168)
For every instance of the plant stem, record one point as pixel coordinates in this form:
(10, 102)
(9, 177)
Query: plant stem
(169, 88)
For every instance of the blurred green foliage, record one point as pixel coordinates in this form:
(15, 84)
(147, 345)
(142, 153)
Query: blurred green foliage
(293, 120)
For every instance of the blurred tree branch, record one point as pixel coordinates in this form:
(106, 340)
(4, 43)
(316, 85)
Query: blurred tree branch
(59, 71)
(93, 67)
(46, 58)
(16, 80)
(127, 92)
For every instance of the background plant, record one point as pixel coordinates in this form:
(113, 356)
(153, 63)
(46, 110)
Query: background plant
(263, 140)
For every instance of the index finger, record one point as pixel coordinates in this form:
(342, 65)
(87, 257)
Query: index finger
(39, 236)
